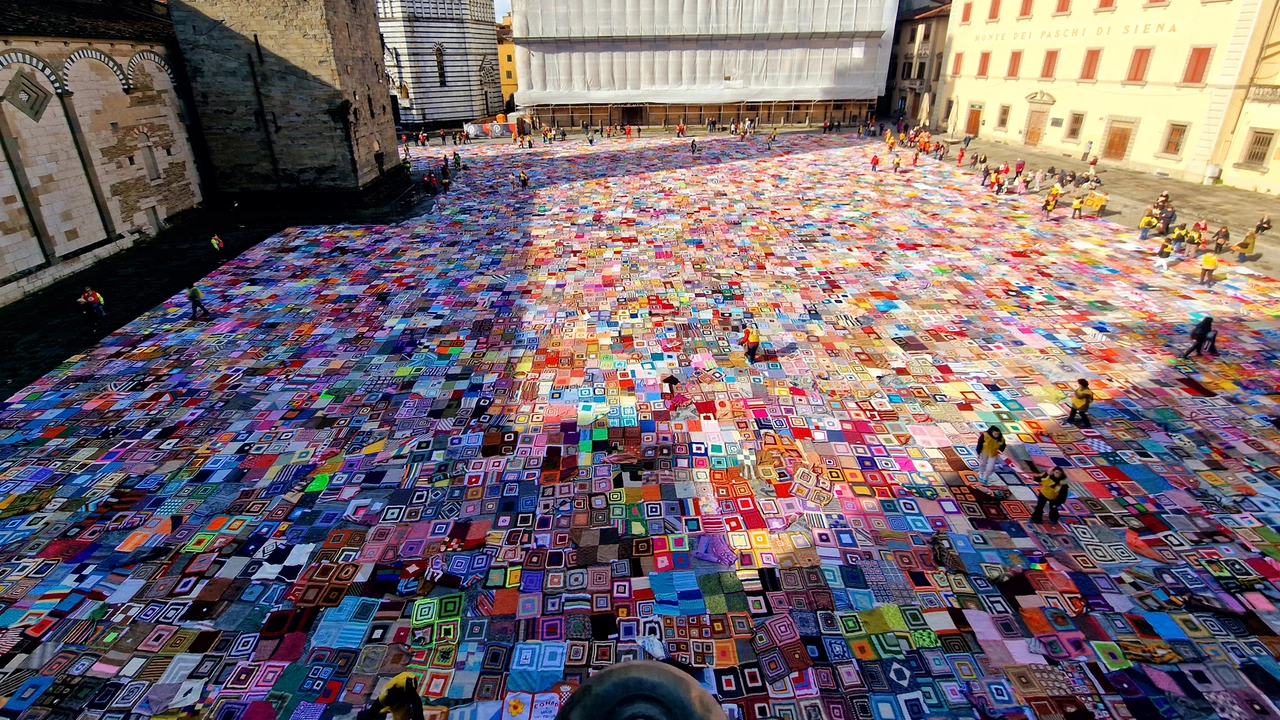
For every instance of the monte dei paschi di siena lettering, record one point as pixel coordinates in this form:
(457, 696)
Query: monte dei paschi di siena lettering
(1098, 31)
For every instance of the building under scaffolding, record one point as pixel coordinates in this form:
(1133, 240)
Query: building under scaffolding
(663, 62)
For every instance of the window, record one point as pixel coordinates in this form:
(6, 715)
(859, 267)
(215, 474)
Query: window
(440, 63)
(911, 34)
(508, 57)
(924, 37)
(984, 60)
(1258, 148)
(1089, 71)
(1002, 120)
(955, 63)
(148, 157)
(1015, 62)
(1063, 7)
(1025, 11)
(508, 74)
(1075, 122)
(921, 67)
(1173, 139)
(966, 12)
(937, 67)
(1106, 4)
(906, 70)
(1197, 65)
(1050, 64)
(1138, 65)
(994, 12)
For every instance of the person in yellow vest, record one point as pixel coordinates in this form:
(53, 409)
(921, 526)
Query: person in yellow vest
(1077, 207)
(991, 446)
(399, 697)
(1081, 400)
(1147, 222)
(750, 343)
(218, 247)
(1245, 247)
(1208, 264)
(1052, 492)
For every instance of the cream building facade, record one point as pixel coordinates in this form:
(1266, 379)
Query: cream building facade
(917, 63)
(1153, 86)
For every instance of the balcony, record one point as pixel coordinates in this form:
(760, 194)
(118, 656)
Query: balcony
(1264, 93)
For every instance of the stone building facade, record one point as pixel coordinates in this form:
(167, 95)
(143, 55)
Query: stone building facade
(915, 69)
(443, 59)
(292, 96)
(95, 147)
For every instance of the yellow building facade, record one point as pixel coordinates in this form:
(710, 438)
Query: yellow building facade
(507, 59)
(1162, 87)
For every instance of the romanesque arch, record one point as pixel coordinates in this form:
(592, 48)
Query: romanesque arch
(94, 54)
(35, 61)
(153, 57)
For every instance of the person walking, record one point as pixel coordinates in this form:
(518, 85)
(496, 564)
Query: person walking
(1039, 181)
(1245, 247)
(1081, 401)
(92, 306)
(1050, 203)
(197, 304)
(693, 146)
(875, 163)
(1093, 166)
(1208, 263)
(524, 180)
(750, 343)
(1164, 255)
(990, 447)
(967, 139)
(1203, 337)
(219, 248)
(897, 164)
(960, 158)
(1018, 167)
(1052, 492)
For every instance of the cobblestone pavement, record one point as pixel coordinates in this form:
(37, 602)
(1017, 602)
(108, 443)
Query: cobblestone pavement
(1131, 192)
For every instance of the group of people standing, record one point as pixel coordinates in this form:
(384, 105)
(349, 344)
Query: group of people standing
(1179, 241)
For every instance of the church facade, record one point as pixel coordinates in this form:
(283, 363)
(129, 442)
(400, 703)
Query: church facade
(442, 58)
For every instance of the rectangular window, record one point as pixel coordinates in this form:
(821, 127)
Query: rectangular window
(911, 35)
(508, 57)
(1075, 122)
(1025, 10)
(1197, 65)
(508, 74)
(1258, 149)
(937, 67)
(994, 12)
(966, 13)
(924, 37)
(984, 60)
(1138, 65)
(1015, 63)
(1089, 71)
(1173, 138)
(921, 68)
(1063, 7)
(1050, 65)
(906, 70)
(955, 63)
(1002, 120)
(1106, 4)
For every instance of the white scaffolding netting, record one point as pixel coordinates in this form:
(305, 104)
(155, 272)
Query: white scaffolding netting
(700, 51)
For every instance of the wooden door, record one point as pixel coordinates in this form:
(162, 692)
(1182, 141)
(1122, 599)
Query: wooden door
(1117, 141)
(975, 122)
(1035, 127)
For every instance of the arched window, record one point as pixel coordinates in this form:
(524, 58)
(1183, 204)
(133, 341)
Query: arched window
(148, 157)
(440, 63)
